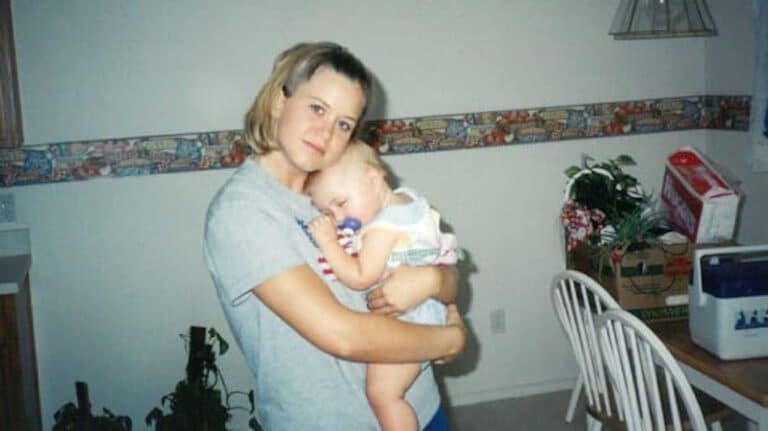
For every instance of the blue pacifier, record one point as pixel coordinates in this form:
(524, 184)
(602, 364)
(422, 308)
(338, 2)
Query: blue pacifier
(350, 223)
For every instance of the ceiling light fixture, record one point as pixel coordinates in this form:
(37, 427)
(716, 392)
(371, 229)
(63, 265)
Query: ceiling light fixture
(653, 19)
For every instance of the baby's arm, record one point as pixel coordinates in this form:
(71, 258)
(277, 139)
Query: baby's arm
(357, 273)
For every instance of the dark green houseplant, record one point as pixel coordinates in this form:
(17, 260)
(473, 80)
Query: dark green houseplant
(606, 209)
(71, 417)
(606, 187)
(197, 403)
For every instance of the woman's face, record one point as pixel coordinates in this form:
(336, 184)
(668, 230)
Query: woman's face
(315, 123)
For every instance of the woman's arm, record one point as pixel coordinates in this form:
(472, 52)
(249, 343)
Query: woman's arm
(305, 303)
(408, 286)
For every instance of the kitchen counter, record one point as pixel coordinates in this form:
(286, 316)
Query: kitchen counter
(15, 256)
(13, 270)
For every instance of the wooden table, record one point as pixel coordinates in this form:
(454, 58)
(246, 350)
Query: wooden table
(741, 385)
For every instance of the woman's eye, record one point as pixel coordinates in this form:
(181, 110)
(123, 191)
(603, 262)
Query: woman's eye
(317, 109)
(345, 126)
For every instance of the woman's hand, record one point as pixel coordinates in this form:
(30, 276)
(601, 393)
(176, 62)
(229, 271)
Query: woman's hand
(403, 288)
(453, 319)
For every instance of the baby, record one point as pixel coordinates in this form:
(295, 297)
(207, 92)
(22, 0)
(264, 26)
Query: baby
(398, 227)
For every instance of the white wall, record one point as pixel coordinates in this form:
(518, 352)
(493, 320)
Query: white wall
(729, 70)
(117, 269)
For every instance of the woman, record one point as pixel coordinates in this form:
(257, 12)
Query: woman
(305, 338)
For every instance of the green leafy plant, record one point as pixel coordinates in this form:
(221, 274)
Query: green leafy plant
(197, 404)
(606, 187)
(71, 417)
(612, 227)
(639, 229)
(607, 209)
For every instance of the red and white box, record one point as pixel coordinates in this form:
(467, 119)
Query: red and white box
(699, 201)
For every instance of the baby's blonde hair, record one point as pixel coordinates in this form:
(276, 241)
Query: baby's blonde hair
(357, 151)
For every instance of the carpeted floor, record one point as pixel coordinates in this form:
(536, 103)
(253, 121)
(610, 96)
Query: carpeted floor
(545, 412)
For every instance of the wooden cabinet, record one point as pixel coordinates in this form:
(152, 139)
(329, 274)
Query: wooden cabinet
(10, 109)
(19, 396)
(10, 369)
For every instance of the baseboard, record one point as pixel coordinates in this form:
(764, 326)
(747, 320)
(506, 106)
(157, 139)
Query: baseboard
(512, 391)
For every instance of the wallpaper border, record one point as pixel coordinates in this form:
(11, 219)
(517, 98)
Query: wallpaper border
(150, 155)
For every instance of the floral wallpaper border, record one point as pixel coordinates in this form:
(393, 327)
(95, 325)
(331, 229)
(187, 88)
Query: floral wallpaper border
(75, 161)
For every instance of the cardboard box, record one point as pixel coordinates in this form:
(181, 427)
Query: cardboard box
(697, 199)
(648, 281)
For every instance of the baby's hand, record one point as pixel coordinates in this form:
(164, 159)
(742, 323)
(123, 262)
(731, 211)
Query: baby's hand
(323, 230)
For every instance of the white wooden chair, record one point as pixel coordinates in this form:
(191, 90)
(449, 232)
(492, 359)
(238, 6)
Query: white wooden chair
(652, 391)
(578, 300)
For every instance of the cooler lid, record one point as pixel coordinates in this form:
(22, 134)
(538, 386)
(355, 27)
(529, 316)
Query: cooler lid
(733, 272)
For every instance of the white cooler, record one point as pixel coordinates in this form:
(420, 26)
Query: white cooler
(728, 302)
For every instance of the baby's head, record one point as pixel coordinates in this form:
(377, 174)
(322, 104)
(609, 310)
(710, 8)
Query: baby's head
(355, 186)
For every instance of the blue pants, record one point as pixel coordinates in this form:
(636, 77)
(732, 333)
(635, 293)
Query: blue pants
(439, 421)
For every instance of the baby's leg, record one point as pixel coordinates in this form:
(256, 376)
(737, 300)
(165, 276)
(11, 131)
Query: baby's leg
(385, 387)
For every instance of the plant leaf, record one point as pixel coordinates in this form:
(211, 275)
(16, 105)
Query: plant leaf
(155, 415)
(571, 171)
(126, 423)
(166, 398)
(625, 160)
(223, 345)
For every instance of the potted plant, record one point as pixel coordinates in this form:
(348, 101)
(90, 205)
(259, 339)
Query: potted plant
(615, 235)
(607, 211)
(79, 418)
(197, 403)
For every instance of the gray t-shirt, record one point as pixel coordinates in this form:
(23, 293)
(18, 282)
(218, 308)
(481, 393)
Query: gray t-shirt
(256, 228)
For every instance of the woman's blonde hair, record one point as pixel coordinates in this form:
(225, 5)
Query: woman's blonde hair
(293, 67)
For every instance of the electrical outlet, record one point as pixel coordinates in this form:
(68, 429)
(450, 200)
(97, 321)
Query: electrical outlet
(7, 208)
(498, 321)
